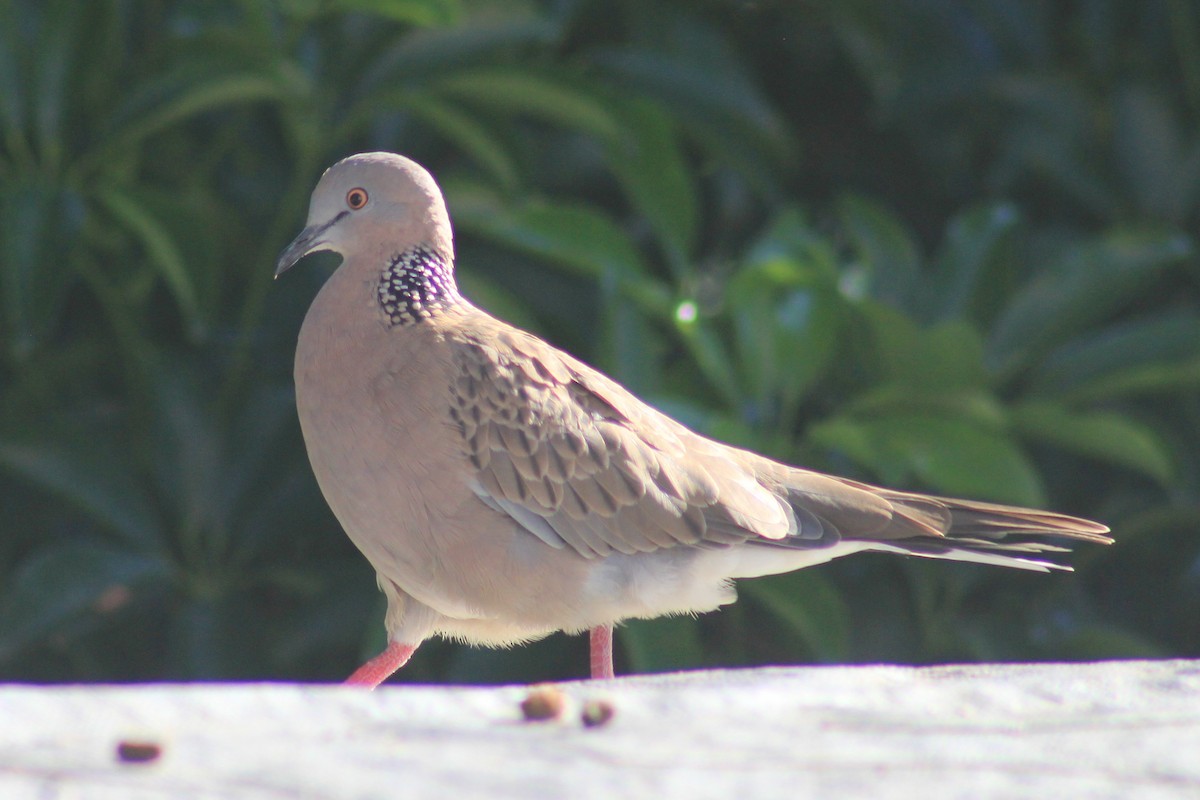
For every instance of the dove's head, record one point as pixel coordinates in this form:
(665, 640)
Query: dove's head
(372, 207)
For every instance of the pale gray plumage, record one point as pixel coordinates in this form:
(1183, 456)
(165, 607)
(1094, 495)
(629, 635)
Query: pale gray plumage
(504, 490)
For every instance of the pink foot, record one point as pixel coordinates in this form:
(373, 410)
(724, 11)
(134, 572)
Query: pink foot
(602, 652)
(379, 668)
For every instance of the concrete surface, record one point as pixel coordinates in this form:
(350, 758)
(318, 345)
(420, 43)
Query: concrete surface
(1105, 730)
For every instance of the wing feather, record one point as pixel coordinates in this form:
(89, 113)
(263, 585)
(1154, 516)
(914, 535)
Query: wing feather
(580, 463)
(572, 457)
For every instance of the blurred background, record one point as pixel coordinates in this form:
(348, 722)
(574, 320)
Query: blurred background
(941, 245)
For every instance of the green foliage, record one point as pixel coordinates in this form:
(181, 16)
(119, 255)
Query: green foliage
(939, 245)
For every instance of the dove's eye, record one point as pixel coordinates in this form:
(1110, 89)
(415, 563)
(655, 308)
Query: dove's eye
(356, 198)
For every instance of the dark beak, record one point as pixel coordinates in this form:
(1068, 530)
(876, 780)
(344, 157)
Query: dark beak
(309, 241)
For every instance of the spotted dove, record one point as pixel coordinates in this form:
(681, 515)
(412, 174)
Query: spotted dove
(504, 490)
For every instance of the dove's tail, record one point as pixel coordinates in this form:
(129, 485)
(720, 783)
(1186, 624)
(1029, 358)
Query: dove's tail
(987, 533)
(847, 515)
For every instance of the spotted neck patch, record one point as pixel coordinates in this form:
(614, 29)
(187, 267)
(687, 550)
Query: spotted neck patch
(416, 284)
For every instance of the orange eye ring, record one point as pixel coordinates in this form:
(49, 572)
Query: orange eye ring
(356, 199)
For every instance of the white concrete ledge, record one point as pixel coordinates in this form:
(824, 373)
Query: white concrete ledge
(1105, 730)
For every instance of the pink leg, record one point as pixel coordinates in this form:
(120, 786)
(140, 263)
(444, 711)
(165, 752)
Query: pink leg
(379, 668)
(602, 652)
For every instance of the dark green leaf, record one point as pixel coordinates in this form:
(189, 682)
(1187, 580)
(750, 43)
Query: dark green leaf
(160, 246)
(884, 248)
(786, 328)
(187, 454)
(256, 436)
(169, 101)
(711, 356)
(661, 645)
(946, 358)
(952, 359)
(1093, 280)
(1149, 152)
(971, 262)
(12, 95)
(809, 606)
(85, 467)
(1052, 139)
(416, 12)
(39, 225)
(524, 92)
(62, 582)
(52, 62)
(719, 108)
(632, 347)
(1104, 435)
(952, 456)
(465, 131)
(1149, 355)
(790, 239)
(1099, 642)
(648, 159)
(572, 235)
(487, 293)
(429, 54)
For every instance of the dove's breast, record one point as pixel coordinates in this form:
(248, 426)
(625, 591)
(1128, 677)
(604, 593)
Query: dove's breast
(372, 403)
